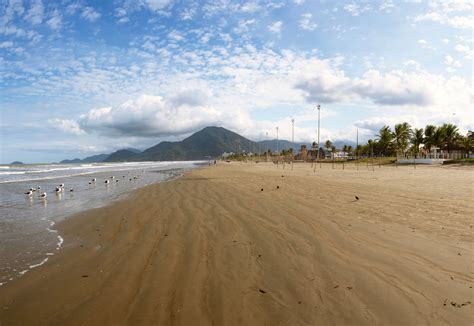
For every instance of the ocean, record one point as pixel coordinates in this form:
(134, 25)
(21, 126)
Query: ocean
(27, 234)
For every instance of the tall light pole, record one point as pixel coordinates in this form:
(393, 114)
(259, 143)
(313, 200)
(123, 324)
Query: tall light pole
(319, 125)
(292, 141)
(266, 138)
(293, 131)
(277, 141)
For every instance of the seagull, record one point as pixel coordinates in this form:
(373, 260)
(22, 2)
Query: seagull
(38, 188)
(116, 180)
(71, 190)
(61, 185)
(32, 189)
(58, 190)
(29, 193)
(94, 180)
(106, 181)
(43, 195)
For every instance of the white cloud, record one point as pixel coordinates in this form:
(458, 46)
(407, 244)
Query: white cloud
(276, 27)
(354, 9)
(157, 5)
(188, 13)
(67, 126)
(90, 14)
(250, 7)
(466, 50)
(425, 45)
(244, 26)
(387, 6)
(299, 2)
(55, 22)
(451, 64)
(176, 36)
(450, 12)
(306, 23)
(6, 44)
(35, 13)
(154, 116)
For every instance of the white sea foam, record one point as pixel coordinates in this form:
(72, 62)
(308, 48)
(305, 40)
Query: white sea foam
(23, 272)
(39, 264)
(60, 242)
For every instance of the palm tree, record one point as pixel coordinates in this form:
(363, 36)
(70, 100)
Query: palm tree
(438, 137)
(385, 137)
(451, 135)
(370, 147)
(402, 134)
(349, 150)
(328, 144)
(429, 137)
(417, 140)
(333, 151)
(467, 144)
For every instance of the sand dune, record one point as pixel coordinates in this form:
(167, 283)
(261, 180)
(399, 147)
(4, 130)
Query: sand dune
(211, 248)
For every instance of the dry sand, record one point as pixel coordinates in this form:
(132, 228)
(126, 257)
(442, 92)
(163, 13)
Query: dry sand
(212, 248)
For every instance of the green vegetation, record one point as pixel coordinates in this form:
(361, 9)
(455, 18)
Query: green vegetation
(405, 140)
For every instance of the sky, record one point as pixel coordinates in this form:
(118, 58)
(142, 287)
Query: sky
(79, 78)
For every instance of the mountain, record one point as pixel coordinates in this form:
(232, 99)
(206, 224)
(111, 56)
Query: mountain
(122, 155)
(90, 159)
(16, 163)
(210, 142)
(282, 144)
(133, 150)
(285, 144)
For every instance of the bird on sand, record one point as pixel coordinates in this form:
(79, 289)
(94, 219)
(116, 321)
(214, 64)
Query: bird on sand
(357, 198)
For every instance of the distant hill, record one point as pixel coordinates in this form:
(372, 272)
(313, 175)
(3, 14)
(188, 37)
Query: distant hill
(282, 144)
(210, 142)
(122, 155)
(17, 163)
(104, 157)
(285, 144)
(90, 159)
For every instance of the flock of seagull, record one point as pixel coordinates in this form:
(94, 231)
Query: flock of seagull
(60, 188)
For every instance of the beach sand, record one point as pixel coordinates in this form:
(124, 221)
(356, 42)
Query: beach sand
(211, 248)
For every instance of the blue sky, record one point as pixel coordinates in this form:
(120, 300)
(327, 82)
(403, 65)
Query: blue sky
(78, 78)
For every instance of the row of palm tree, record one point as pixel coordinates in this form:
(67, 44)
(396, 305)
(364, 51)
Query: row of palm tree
(404, 139)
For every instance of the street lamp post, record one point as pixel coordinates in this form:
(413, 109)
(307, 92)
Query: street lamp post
(277, 142)
(319, 118)
(292, 140)
(266, 138)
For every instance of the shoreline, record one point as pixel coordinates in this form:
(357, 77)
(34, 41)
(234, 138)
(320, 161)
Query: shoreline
(211, 247)
(34, 257)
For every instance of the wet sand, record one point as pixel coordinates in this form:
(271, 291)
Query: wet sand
(211, 248)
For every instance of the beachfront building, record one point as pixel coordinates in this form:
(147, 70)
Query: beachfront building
(312, 154)
(225, 154)
(341, 155)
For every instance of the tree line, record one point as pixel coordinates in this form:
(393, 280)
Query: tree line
(404, 139)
